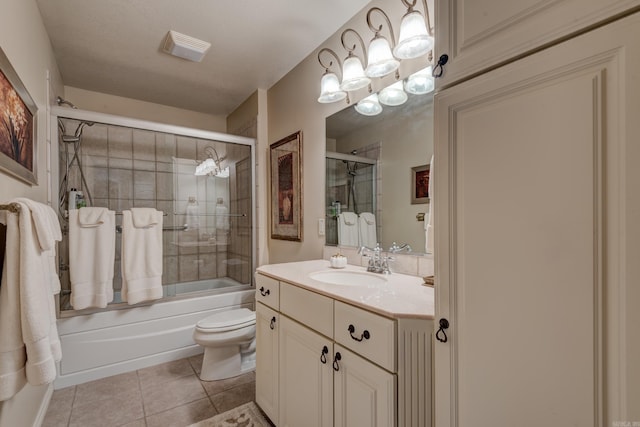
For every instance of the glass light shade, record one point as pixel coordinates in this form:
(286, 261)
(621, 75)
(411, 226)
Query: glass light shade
(369, 106)
(420, 82)
(330, 89)
(393, 95)
(353, 77)
(380, 59)
(414, 40)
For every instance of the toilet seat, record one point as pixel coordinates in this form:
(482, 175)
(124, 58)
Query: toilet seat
(227, 320)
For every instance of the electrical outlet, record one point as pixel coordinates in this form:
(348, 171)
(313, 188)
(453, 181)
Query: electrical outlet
(321, 227)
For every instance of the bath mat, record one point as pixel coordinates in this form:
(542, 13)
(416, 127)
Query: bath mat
(247, 415)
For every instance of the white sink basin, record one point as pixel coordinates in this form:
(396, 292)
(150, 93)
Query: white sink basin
(348, 278)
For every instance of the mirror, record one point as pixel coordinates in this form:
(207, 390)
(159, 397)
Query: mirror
(376, 165)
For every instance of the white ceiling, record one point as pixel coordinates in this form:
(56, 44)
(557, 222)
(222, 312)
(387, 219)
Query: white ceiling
(114, 46)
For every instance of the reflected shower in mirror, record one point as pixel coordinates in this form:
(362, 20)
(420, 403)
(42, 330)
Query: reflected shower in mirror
(370, 166)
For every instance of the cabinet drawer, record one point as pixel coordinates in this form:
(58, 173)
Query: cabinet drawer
(370, 335)
(268, 291)
(308, 308)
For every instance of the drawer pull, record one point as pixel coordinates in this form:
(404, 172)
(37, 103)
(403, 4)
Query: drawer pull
(263, 292)
(336, 359)
(323, 356)
(365, 335)
(444, 324)
(272, 325)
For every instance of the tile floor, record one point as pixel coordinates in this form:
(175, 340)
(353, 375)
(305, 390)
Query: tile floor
(170, 394)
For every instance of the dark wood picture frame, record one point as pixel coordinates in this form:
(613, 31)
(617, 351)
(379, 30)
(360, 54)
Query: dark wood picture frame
(18, 139)
(286, 188)
(420, 184)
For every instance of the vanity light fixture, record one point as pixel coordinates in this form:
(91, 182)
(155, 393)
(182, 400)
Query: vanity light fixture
(420, 82)
(353, 76)
(416, 35)
(369, 106)
(393, 95)
(330, 85)
(380, 60)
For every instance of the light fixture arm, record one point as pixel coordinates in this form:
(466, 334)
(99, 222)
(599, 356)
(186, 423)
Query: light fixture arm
(351, 49)
(377, 30)
(411, 4)
(332, 53)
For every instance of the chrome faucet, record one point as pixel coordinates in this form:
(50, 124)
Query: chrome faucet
(377, 262)
(395, 248)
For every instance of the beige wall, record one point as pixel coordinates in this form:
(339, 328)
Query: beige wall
(293, 106)
(128, 107)
(26, 43)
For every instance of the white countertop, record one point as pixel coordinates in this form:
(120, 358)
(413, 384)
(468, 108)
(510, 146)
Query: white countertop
(401, 296)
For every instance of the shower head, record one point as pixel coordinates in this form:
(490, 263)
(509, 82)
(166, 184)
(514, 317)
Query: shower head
(62, 101)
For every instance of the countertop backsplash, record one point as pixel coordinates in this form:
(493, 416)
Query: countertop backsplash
(414, 265)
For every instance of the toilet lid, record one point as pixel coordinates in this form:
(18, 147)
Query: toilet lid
(228, 320)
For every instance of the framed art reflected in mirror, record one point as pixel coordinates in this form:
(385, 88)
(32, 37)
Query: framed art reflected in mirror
(420, 184)
(286, 188)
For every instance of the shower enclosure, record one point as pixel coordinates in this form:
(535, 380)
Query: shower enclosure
(119, 163)
(350, 187)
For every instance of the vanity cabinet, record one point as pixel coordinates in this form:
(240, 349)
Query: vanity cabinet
(536, 162)
(267, 360)
(480, 34)
(341, 365)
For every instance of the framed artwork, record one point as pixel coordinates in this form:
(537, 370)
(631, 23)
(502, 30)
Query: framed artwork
(420, 184)
(17, 125)
(286, 188)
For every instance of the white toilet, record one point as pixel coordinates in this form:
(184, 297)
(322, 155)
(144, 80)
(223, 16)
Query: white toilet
(229, 341)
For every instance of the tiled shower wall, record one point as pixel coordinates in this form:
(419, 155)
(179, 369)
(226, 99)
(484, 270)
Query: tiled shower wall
(127, 167)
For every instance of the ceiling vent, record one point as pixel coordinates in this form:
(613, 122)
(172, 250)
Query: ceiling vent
(184, 46)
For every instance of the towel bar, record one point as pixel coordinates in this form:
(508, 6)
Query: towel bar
(167, 228)
(11, 207)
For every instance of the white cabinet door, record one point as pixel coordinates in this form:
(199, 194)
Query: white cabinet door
(364, 394)
(306, 377)
(478, 34)
(267, 327)
(536, 162)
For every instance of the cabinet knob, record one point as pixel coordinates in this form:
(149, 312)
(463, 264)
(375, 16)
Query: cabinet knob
(336, 359)
(444, 324)
(272, 324)
(439, 68)
(365, 335)
(263, 292)
(323, 356)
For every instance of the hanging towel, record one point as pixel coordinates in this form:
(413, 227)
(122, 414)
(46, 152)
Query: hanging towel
(222, 216)
(92, 248)
(348, 229)
(141, 256)
(29, 342)
(428, 225)
(47, 228)
(367, 229)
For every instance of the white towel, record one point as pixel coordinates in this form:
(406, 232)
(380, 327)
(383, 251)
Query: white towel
(141, 257)
(367, 229)
(47, 229)
(348, 229)
(222, 217)
(29, 342)
(428, 225)
(92, 248)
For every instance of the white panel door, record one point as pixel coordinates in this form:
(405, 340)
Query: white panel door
(306, 377)
(530, 234)
(364, 394)
(267, 327)
(478, 34)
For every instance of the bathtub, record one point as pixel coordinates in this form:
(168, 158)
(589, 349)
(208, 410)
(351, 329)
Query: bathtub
(112, 342)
